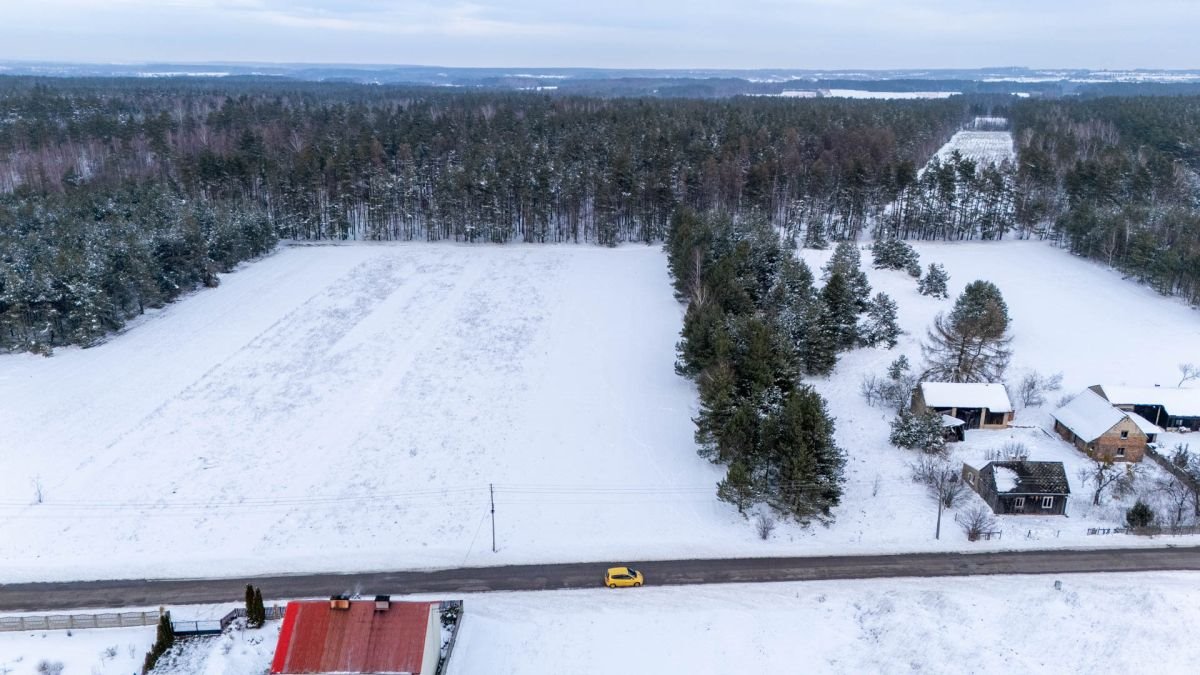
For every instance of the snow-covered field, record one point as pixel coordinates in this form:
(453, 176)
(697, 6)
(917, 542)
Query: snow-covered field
(889, 95)
(1094, 624)
(991, 147)
(344, 407)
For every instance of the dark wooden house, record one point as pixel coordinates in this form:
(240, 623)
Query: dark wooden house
(1021, 488)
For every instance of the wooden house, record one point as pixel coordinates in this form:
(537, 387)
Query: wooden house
(978, 405)
(1104, 432)
(1172, 407)
(1021, 488)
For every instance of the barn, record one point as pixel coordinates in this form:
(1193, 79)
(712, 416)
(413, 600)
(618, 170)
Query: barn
(359, 636)
(1021, 488)
(1171, 407)
(979, 405)
(1104, 432)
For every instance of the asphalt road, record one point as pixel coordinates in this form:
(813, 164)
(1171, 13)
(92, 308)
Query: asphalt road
(45, 597)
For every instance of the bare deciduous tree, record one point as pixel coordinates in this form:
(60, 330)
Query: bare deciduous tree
(1100, 475)
(976, 521)
(1188, 372)
(764, 525)
(1031, 389)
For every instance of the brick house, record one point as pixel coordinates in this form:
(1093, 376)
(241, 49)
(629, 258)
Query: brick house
(1021, 488)
(1098, 429)
(979, 405)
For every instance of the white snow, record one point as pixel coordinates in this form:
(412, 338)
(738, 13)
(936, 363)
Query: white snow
(865, 626)
(889, 95)
(988, 147)
(1006, 478)
(345, 408)
(1179, 401)
(107, 651)
(990, 395)
(979, 625)
(1088, 415)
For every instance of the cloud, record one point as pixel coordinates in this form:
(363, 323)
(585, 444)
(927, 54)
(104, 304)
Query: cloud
(613, 33)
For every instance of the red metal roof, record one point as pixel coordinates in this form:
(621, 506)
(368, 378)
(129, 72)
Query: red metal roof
(317, 639)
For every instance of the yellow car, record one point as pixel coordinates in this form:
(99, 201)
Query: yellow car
(623, 576)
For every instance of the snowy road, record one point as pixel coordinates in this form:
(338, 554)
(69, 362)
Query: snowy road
(129, 593)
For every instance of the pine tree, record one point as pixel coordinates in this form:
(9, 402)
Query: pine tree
(737, 487)
(971, 344)
(881, 326)
(934, 282)
(805, 468)
(821, 340)
(847, 260)
(898, 368)
(922, 432)
(704, 339)
(718, 402)
(260, 610)
(895, 254)
(841, 311)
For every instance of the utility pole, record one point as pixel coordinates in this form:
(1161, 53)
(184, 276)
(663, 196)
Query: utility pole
(938, 533)
(492, 493)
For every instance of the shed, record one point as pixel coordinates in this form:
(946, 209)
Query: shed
(1176, 407)
(1021, 488)
(1104, 432)
(981, 405)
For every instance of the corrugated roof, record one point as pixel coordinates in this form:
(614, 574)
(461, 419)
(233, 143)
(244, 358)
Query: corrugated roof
(317, 639)
(1032, 478)
(988, 395)
(1179, 401)
(1088, 415)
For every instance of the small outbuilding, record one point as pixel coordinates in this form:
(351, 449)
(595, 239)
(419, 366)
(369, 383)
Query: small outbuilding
(1104, 432)
(1174, 407)
(1021, 488)
(982, 405)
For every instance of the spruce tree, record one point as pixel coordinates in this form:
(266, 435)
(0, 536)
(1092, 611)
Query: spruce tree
(842, 311)
(737, 487)
(895, 254)
(922, 432)
(847, 260)
(898, 368)
(881, 326)
(704, 339)
(821, 340)
(718, 402)
(971, 343)
(805, 469)
(934, 282)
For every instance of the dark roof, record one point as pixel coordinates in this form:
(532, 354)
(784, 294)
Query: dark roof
(317, 639)
(1033, 478)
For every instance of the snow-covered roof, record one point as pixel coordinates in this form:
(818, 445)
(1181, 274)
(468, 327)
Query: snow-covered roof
(1144, 424)
(1088, 415)
(966, 395)
(1179, 401)
(1006, 479)
(949, 422)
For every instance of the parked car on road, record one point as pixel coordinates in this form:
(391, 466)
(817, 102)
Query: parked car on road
(623, 576)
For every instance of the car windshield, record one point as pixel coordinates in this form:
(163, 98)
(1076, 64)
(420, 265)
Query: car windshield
(633, 572)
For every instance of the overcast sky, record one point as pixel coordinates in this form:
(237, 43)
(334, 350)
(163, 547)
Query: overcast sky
(613, 33)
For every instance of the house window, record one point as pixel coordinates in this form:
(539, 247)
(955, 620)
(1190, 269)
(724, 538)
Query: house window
(1124, 435)
(1047, 502)
(1120, 452)
(1019, 504)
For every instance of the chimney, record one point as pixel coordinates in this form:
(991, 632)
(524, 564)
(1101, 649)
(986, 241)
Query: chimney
(382, 602)
(339, 602)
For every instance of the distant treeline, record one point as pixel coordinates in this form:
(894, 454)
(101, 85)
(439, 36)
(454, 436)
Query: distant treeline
(117, 195)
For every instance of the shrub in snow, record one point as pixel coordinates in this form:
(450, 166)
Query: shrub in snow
(45, 667)
(895, 254)
(764, 525)
(976, 521)
(1139, 515)
(1031, 389)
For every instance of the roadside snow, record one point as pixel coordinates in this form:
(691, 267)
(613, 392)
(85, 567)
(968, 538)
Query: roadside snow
(108, 651)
